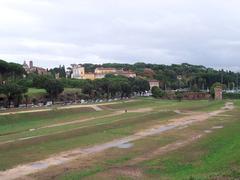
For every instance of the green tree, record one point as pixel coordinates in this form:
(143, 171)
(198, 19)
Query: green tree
(39, 81)
(88, 88)
(53, 88)
(179, 96)
(125, 89)
(13, 92)
(157, 92)
(140, 85)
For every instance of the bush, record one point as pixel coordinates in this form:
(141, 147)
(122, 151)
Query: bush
(179, 95)
(231, 95)
(157, 92)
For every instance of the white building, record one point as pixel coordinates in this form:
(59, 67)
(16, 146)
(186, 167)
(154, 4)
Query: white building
(78, 71)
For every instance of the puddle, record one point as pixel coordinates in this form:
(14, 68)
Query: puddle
(39, 165)
(178, 112)
(207, 131)
(125, 145)
(217, 127)
(183, 127)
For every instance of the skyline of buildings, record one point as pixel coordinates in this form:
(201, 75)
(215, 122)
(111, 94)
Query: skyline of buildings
(78, 72)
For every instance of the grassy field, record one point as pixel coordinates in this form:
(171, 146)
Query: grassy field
(215, 155)
(35, 93)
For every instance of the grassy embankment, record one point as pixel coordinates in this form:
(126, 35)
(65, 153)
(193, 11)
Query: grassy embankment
(215, 156)
(97, 130)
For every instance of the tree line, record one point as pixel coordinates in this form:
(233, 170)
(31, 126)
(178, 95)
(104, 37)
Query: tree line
(176, 76)
(14, 81)
(10, 71)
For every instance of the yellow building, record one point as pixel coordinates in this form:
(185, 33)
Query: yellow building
(90, 76)
(78, 72)
(153, 83)
(102, 70)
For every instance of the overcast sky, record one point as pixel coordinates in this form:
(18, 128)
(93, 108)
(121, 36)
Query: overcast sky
(53, 32)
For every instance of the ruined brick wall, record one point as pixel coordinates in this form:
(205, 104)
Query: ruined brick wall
(189, 95)
(218, 93)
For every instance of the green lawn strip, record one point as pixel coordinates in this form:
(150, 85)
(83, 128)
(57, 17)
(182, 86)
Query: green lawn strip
(201, 105)
(47, 131)
(39, 148)
(139, 118)
(82, 174)
(34, 92)
(64, 128)
(20, 122)
(72, 90)
(216, 155)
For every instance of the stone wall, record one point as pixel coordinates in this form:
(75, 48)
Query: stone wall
(189, 95)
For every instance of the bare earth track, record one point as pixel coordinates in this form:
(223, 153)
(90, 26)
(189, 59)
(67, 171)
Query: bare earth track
(64, 157)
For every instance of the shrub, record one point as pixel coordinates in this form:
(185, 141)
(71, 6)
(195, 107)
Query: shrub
(157, 92)
(231, 95)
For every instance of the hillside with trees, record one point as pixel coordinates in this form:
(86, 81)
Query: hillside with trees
(176, 76)
(15, 82)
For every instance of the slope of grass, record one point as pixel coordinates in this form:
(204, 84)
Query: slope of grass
(215, 156)
(34, 92)
(39, 148)
(83, 134)
(18, 122)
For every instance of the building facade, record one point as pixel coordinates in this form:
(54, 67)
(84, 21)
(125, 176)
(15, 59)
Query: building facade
(128, 74)
(153, 83)
(78, 72)
(34, 69)
(102, 70)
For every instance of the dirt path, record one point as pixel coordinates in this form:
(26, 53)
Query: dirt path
(94, 106)
(30, 168)
(165, 149)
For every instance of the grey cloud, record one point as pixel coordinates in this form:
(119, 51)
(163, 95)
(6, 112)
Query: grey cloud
(53, 32)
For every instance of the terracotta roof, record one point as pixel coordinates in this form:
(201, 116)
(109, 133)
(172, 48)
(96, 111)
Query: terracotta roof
(102, 68)
(153, 80)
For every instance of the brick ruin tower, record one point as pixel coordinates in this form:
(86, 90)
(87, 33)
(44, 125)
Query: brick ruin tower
(218, 93)
(30, 64)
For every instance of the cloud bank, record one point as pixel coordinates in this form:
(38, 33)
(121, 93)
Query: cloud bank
(53, 32)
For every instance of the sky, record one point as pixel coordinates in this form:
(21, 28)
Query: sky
(54, 32)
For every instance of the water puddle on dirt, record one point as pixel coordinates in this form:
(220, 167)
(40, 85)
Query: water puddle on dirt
(183, 127)
(207, 131)
(217, 127)
(125, 146)
(39, 165)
